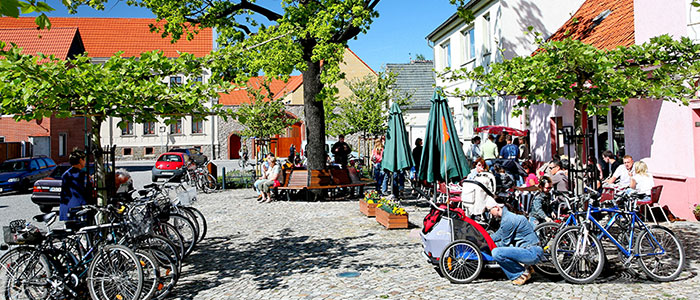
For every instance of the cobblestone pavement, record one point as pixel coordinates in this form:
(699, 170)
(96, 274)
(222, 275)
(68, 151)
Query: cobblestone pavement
(295, 250)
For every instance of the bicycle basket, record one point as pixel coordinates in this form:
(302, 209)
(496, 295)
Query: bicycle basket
(19, 234)
(139, 222)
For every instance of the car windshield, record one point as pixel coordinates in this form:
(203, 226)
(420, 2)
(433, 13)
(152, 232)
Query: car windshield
(13, 166)
(179, 150)
(169, 157)
(58, 171)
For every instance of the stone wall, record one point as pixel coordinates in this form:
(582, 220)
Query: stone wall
(139, 152)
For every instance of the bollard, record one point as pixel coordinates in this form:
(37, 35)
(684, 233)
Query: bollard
(223, 178)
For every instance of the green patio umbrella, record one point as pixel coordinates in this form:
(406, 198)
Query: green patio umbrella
(442, 157)
(397, 149)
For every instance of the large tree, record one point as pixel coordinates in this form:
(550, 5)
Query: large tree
(133, 89)
(309, 36)
(662, 68)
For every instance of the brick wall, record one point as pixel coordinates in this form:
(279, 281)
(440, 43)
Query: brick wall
(17, 131)
(74, 129)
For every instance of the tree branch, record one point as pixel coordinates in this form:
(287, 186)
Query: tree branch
(269, 14)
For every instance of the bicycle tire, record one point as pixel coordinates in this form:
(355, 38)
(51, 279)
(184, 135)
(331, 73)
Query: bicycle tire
(13, 266)
(208, 183)
(650, 263)
(564, 258)
(115, 269)
(186, 229)
(461, 262)
(162, 244)
(190, 216)
(169, 273)
(151, 273)
(546, 232)
(201, 221)
(171, 233)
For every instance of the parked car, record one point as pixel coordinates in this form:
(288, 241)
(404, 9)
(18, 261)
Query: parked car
(197, 156)
(19, 174)
(47, 192)
(168, 164)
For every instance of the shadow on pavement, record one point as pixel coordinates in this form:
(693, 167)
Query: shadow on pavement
(270, 260)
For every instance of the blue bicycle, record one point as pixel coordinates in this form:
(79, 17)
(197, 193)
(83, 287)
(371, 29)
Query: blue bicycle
(578, 255)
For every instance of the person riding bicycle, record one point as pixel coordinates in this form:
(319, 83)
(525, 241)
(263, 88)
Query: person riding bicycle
(517, 244)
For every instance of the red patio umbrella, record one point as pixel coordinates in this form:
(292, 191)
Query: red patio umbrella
(494, 129)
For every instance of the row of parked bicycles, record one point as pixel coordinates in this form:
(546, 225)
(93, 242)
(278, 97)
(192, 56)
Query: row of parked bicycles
(456, 235)
(135, 252)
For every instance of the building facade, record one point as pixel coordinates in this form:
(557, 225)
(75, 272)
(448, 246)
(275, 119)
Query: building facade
(418, 80)
(497, 33)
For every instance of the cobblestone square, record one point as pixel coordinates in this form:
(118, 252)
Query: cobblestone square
(295, 250)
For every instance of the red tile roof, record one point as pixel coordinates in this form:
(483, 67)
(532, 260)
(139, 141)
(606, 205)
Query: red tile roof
(278, 88)
(103, 37)
(56, 42)
(590, 25)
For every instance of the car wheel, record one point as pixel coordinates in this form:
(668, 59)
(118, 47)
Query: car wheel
(25, 186)
(45, 209)
(154, 178)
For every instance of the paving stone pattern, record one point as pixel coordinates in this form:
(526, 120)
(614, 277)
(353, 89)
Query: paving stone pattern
(295, 250)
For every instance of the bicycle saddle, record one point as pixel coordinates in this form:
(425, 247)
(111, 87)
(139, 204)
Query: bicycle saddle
(44, 217)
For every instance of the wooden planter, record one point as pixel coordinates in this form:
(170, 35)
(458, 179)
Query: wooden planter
(368, 209)
(391, 221)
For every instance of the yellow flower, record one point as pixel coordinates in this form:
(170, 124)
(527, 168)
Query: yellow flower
(370, 201)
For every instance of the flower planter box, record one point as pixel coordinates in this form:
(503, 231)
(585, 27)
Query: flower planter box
(391, 221)
(368, 209)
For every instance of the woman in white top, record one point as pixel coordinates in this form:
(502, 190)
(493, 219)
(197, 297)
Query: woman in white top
(641, 181)
(273, 176)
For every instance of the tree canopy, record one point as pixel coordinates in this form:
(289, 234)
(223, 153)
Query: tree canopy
(662, 68)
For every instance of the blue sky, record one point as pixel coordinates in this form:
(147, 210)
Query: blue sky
(398, 33)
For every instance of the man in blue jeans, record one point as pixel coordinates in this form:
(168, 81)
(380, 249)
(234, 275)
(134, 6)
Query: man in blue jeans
(517, 244)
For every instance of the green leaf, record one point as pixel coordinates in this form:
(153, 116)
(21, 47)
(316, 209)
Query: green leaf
(9, 8)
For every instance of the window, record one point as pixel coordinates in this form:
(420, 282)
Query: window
(2, 139)
(469, 48)
(128, 128)
(149, 151)
(446, 55)
(197, 126)
(62, 144)
(175, 80)
(475, 116)
(198, 79)
(487, 34)
(149, 128)
(127, 152)
(491, 112)
(176, 128)
(49, 162)
(34, 165)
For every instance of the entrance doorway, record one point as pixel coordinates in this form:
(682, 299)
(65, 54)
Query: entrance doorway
(608, 134)
(234, 146)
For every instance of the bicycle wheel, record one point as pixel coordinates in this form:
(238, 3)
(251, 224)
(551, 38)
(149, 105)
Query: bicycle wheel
(461, 261)
(200, 220)
(164, 245)
(207, 183)
(169, 273)
(186, 229)
(579, 259)
(24, 273)
(151, 273)
(662, 256)
(180, 210)
(173, 235)
(115, 273)
(546, 233)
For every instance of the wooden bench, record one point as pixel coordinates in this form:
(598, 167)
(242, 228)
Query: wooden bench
(330, 180)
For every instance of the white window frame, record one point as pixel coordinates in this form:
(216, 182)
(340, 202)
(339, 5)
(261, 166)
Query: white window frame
(62, 144)
(469, 44)
(487, 34)
(2, 139)
(446, 55)
(128, 130)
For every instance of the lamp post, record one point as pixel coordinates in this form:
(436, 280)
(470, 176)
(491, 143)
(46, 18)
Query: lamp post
(162, 131)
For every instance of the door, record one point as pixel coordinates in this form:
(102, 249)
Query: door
(42, 145)
(234, 146)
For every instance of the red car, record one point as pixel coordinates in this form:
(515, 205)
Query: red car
(168, 164)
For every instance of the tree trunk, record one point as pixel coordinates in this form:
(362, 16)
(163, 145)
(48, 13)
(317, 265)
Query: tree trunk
(315, 119)
(100, 172)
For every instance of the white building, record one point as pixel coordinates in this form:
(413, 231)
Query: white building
(497, 33)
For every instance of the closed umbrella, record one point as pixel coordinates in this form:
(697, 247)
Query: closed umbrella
(443, 158)
(397, 150)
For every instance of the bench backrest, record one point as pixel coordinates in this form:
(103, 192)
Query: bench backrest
(341, 176)
(320, 178)
(297, 178)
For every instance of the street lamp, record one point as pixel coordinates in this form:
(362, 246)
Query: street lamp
(162, 131)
